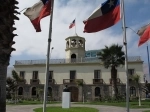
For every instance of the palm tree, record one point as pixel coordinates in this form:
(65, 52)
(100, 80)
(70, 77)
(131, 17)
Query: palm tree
(136, 80)
(7, 17)
(112, 57)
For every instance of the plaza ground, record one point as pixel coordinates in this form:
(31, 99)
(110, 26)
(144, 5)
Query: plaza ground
(101, 108)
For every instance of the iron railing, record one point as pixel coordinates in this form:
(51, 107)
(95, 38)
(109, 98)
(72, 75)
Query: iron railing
(72, 81)
(117, 80)
(66, 61)
(51, 81)
(34, 81)
(97, 81)
(21, 82)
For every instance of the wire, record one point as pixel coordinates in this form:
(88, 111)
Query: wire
(132, 30)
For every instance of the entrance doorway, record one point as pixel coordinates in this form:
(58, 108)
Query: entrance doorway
(74, 94)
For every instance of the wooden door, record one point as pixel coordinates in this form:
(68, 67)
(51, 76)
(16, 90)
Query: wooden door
(74, 94)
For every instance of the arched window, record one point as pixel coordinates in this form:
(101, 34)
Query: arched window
(33, 91)
(80, 43)
(97, 91)
(73, 43)
(132, 91)
(49, 91)
(73, 58)
(20, 91)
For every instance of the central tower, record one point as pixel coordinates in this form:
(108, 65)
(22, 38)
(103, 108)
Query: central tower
(75, 48)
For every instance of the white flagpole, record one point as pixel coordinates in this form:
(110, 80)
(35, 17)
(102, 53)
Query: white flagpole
(75, 27)
(48, 56)
(126, 56)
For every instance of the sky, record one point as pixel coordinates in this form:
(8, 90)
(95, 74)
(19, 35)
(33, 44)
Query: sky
(32, 45)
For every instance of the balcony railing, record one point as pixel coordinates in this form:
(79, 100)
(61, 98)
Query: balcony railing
(65, 61)
(51, 81)
(21, 82)
(117, 81)
(97, 81)
(72, 81)
(34, 81)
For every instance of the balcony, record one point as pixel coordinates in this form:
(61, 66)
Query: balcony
(34, 81)
(98, 81)
(51, 81)
(21, 82)
(117, 80)
(72, 81)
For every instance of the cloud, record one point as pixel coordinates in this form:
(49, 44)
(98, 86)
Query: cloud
(30, 43)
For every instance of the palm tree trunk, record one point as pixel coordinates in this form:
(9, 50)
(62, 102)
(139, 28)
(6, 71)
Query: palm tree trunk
(3, 74)
(139, 96)
(114, 81)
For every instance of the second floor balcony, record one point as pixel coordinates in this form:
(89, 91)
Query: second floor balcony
(98, 81)
(51, 81)
(23, 81)
(72, 81)
(34, 81)
(117, 81)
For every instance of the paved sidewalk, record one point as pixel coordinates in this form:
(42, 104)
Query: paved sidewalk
(101, 108)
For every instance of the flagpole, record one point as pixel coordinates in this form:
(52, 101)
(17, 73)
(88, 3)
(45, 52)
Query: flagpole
(48, 56)
(126, 56)
(75, 27)
(148, 59)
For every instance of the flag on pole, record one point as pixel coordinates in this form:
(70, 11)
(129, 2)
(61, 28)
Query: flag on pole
(103, 17)
(144, 33)
(72, 24)
(37, 12)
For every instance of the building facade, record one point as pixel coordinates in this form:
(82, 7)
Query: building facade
(86, 77)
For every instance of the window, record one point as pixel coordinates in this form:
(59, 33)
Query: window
(97, 91)
(132, 91)
(22, 74)
(33, 91)
(20, 91)
(131, 71)
(35, 75)
(96, 74)
(50, 75)
(72, 74)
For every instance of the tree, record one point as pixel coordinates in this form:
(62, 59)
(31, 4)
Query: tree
(12, 84)
(112, 57)
(136, 80)
(147, 89)
(80, 84)
(7, 17)
(39, 93)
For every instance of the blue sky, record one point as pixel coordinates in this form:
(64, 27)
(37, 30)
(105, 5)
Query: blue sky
(31, 45)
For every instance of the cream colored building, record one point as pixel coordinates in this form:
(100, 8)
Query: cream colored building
(74, 70)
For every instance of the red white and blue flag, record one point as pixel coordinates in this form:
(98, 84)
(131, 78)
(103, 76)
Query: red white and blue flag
(72, 24)
(105, 16)
(37, 12)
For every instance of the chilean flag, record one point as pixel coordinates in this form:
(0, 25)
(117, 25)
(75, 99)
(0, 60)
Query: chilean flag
(144, 33)
(37, 12)
(105, 16)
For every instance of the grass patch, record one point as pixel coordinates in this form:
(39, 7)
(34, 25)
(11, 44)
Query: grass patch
(72, 109)
(146, 111)
(30, 103)
(144, 104)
